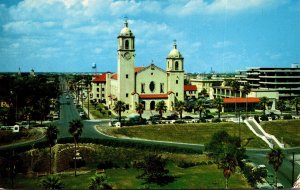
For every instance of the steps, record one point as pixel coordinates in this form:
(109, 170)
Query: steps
(271, 140)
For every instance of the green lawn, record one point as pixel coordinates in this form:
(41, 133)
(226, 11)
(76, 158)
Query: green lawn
(96, 113)
(199, 133)
(289, 130)
(197, 177)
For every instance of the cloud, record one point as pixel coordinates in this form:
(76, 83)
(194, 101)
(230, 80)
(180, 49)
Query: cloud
(222, 44)
(191, 7)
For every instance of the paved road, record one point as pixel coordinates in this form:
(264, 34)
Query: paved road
(68, 112)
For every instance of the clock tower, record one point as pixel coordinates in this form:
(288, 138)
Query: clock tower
(126, 59)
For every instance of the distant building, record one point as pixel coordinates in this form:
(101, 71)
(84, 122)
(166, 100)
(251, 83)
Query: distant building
(190, 91)
(284, 81)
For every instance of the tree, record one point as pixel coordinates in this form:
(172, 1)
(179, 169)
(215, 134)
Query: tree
(254, 175)
(264, 102)
(275, 158)
(51, 182)
(246, 90)
(51, 135)
(281, 106)
(204, 92)
(296, 103)
(161, 108)
(218, 103)
(139, 108)
(119, 107)
(226, 151)
(180, 107)
(200, 106)
(154, 170)
(98, 182)
(75, 129)
(235, 86)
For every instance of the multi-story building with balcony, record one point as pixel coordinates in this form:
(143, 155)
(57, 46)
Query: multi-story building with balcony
(285, 81)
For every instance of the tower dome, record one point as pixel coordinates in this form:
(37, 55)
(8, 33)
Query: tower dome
(174, 53)
(126, 31)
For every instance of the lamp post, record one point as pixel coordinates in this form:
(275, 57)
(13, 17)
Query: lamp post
(16, 105)
(88, 96)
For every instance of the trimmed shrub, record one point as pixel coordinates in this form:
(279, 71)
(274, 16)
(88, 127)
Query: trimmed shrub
(264, 118)
(216, 120)
(287, 117)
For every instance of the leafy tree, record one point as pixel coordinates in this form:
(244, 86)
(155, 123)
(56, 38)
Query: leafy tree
(75, 129)
(200, 106)
(180, 107)
(254, 175)
(226, 151)
(263, 102)
(204, 92)
(276, 157)
(51, 182)
(161, 107)
(218, 103)
(51, 135)
(119, 107)
(235, 86)
(281, 106)
(98, 182)
(296, 103)
(154, 170)
(139, 108)
(246, 90)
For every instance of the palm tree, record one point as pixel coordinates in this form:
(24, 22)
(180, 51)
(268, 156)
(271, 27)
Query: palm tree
(161, 108)
(264, 101)
(280, 106)
(139, 108)
(51, 182)
(180, 107)
(276, 157)
(119, 107)
(200, 106)
(228, 164)
(296, 102)
(98, 182)
(75, 129)
(51, 135)
(218, 102)
(235, 86)
(246, 90)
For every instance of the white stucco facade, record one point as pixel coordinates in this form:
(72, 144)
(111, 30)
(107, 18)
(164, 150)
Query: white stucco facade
(147, 85)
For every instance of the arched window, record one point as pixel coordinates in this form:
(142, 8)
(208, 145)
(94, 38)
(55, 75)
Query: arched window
(152, 105)
(176, 65)
(126, 44)
(152, 86)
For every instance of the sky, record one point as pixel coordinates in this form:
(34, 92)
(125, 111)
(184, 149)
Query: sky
(218, 35)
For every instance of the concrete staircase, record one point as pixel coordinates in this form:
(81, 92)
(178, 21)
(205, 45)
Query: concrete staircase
(271, 140)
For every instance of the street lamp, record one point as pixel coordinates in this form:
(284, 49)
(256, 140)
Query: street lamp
(88, 96)
(16, 106)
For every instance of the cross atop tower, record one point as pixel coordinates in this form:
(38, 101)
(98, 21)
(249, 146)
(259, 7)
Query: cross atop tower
(174, 44)
(126, 21)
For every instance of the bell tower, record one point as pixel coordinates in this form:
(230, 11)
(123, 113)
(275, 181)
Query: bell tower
(175, 72)
(126, 59)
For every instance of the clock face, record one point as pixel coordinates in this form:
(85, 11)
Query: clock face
(127, 56)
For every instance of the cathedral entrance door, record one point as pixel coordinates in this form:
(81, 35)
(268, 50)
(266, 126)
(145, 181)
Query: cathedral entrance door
(152, 105)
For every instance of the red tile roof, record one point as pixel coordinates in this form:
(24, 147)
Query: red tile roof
(241, 100)
(138, 69)
(153, 96)
(114, 76)
(190, 87)
(100, 78)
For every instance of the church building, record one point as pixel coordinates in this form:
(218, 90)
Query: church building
(147, 85)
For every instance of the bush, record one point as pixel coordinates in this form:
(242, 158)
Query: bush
(216, 120)
(264, 118)
(256, 117)
(184, 164)
(287, 117)
(202, 120)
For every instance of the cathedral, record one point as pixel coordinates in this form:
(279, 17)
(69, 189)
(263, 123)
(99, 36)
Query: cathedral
(147, 85)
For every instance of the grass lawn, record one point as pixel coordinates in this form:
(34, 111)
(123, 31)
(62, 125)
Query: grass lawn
(96, 113)
(289, 130)
(202, 176)
(199, 133)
